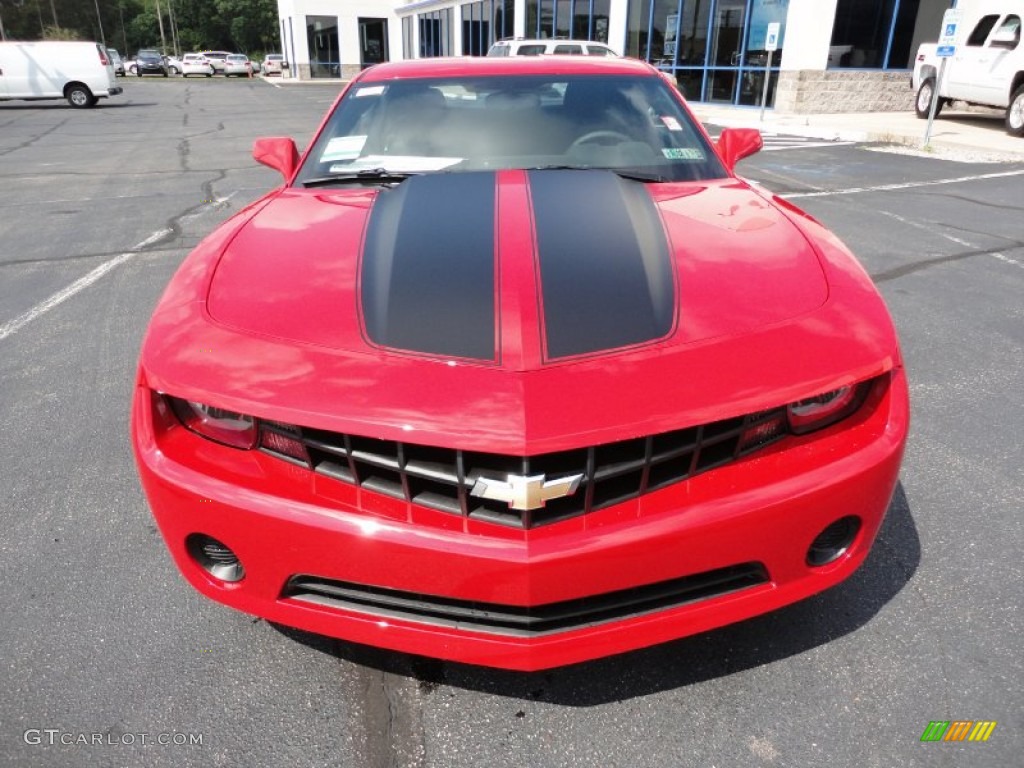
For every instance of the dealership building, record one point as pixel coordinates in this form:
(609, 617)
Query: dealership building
(830, 55)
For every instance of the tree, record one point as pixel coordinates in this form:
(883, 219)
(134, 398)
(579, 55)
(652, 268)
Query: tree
(237, 25)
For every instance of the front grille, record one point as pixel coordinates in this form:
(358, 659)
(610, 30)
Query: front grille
(523, 621)
(442, 478)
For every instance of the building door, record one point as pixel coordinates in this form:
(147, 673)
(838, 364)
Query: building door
(322, 38)
(373, 41)
(726, 49)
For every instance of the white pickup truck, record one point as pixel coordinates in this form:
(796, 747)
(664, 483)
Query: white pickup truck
(987, 69)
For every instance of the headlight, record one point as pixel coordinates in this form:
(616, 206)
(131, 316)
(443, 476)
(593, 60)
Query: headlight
(827, 408)
(234, 429)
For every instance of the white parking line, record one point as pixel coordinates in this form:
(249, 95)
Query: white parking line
(15, 325)
(905, 185)
(12, 327)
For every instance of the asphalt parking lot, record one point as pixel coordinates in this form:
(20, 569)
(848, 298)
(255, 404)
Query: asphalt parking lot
(106, 653)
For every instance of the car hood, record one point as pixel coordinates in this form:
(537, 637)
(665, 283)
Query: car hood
(515, 269)
(519, 312)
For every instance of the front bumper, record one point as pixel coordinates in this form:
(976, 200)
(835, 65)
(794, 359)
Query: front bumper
(285, 522)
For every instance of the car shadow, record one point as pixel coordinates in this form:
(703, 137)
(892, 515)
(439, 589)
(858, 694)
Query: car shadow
(772, 637)
(58, 105)
(995, 121)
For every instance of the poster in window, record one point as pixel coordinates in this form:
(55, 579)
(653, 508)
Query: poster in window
(763, 13)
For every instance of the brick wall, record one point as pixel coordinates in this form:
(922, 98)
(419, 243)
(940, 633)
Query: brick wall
(837, 90)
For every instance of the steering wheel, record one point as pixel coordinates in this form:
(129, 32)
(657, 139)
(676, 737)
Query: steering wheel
(592, 136)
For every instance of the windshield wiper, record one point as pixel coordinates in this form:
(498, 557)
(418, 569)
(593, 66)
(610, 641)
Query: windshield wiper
(626, 174)
(364, 176)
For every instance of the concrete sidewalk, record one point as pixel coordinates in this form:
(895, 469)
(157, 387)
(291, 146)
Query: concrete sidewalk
(957, 134)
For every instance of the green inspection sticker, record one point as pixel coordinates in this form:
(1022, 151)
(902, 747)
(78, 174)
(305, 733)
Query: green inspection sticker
(683, 153)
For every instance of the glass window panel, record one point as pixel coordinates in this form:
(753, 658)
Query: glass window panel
(637, 28)
(763, 13)
(563, 18)
(860, 34)
(752, 84)
(980, 33)
(902, 51)
(599, 22)
(580, 20)
(322, 38)
(693, 32)
(721, 85)
(690, 83)
(727, 33)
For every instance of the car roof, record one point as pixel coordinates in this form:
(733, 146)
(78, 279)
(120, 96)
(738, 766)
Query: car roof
(520, 65)
(549, 41)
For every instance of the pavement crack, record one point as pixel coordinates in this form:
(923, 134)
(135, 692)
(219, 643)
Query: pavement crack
(34, 139)
(184, 149)
(918, 266)
(975, 201)
(392, 720)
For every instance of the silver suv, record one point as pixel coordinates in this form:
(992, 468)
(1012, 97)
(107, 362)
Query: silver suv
(552, 46)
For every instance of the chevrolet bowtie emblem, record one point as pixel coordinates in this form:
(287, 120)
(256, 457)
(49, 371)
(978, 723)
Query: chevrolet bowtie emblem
(526, 491)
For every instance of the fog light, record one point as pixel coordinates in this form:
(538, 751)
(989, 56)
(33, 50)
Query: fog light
(833, 542)
(214, 557)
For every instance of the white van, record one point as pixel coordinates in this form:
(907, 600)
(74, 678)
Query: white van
(78, 72)
(549, 46)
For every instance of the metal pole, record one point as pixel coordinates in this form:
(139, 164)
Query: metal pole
(174, 28)
(124, 35)
(764, 90)
(160, 21)
(100, 22)
(935, 102)
(3, 35)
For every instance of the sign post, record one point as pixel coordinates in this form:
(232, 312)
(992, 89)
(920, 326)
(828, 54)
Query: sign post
(771, 44)
(947, 47)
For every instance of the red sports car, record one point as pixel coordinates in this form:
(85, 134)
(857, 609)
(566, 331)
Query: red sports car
(514, 370)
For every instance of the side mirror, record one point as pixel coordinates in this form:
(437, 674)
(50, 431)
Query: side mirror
(277, 152)
(736, 143)
(1005, 38)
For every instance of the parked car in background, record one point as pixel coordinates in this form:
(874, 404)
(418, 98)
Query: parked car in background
(550, 46)
(274, 64)
(196, 64)
(237, 64)
(116, 61)
(988, 68)
(217, 60)
(173, 64)
(150, 62)
(78, 72)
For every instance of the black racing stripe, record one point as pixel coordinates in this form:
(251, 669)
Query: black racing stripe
(606, 274)
(429, 265)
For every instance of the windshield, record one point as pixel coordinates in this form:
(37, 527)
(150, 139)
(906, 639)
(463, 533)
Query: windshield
(633, 125)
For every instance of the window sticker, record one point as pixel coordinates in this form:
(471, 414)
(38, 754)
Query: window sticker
(671, 123)
(343, 148)
(683, 153)
(369, 90)
(398, 164)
